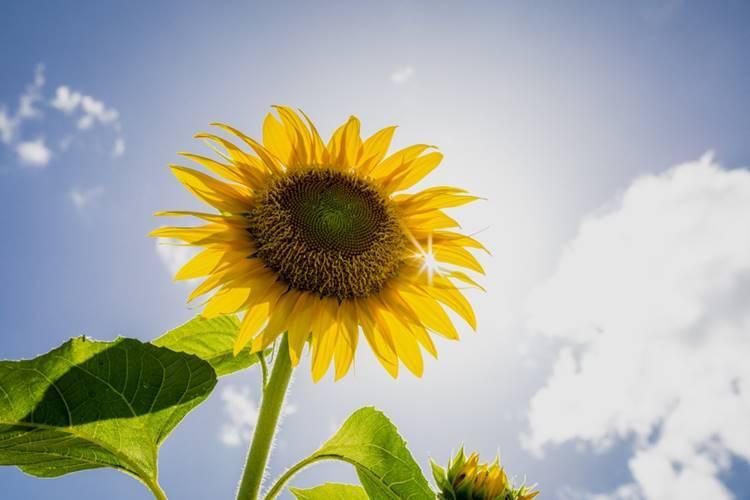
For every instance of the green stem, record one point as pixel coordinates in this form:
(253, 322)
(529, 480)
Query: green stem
(264, 369)
(268, 418)
(156, 490)
(284, 478)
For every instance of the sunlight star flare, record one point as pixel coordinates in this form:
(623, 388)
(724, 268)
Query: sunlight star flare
(320, 241)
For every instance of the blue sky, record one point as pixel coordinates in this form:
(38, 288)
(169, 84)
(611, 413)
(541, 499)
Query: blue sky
(584, 125)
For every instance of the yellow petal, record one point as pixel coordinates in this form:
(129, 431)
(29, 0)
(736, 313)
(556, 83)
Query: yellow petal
(445, 292)
(374, 150)
(299, 325)
(463, 277)
(207, 285)
(276, 140)
(219, 195)
(430, 199)
(400, 309)
(254, 319)
(200, 265)
(456, 239)
(383, 350)
(325, 328)
(428, 222)
(251, 167)
(432, 314)
(407, 347)
(258, 314)
(226, 171)
(346, 343)
(457, 256)
(421, 335)
(391, 299)
(228, 300)
(230, 272)
(343, 148)
(413, 172)
(278, 323)
(298, 135)
(397, 160)
(200, 235)
(270, 161)
(317, 148)
(236, 220)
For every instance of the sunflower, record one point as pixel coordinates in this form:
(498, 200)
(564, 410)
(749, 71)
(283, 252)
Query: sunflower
(319, 240)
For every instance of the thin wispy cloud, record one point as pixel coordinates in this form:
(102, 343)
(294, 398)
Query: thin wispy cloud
(83, 198)
(650, 298)
(241, 412)
(7, 126)
(31, 96)
(25, 110)
(34, 153)
(403, 75)
(119, 148)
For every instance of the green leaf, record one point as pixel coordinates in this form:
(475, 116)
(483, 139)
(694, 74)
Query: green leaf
(90, 404)
(331, 491)
(211, 340)
(371, 443)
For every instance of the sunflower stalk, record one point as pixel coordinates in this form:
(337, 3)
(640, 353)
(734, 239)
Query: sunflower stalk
(264, 371)
(268, 419)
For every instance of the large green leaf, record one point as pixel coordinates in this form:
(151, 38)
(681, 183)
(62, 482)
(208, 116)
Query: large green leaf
(90, 404)
(371, 443)
(331, 491)
(212, 340)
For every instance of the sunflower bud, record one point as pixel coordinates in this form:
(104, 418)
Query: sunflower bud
(467, 479)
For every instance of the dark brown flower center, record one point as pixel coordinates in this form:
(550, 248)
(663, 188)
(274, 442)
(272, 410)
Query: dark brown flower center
(328, 232)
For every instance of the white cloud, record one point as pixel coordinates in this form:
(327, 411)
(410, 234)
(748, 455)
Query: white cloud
(402, 75)
(624, 492)
(34, 153)
(651, 298)
(173, 254)
(95, 111)
(242, 414)
(90, 112)
(82, 198)
(66, 100)
(7, 126)
(119, 148)
(31, 96)
(9, 123)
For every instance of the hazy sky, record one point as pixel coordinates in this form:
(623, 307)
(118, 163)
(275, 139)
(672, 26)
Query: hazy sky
(610, 360)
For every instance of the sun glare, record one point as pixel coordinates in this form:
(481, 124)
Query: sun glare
(430, 264)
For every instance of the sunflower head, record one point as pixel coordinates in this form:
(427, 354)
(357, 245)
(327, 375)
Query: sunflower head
(321, 240)
(467, 479)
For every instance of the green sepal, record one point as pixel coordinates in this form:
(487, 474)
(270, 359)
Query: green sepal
(439, 474)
